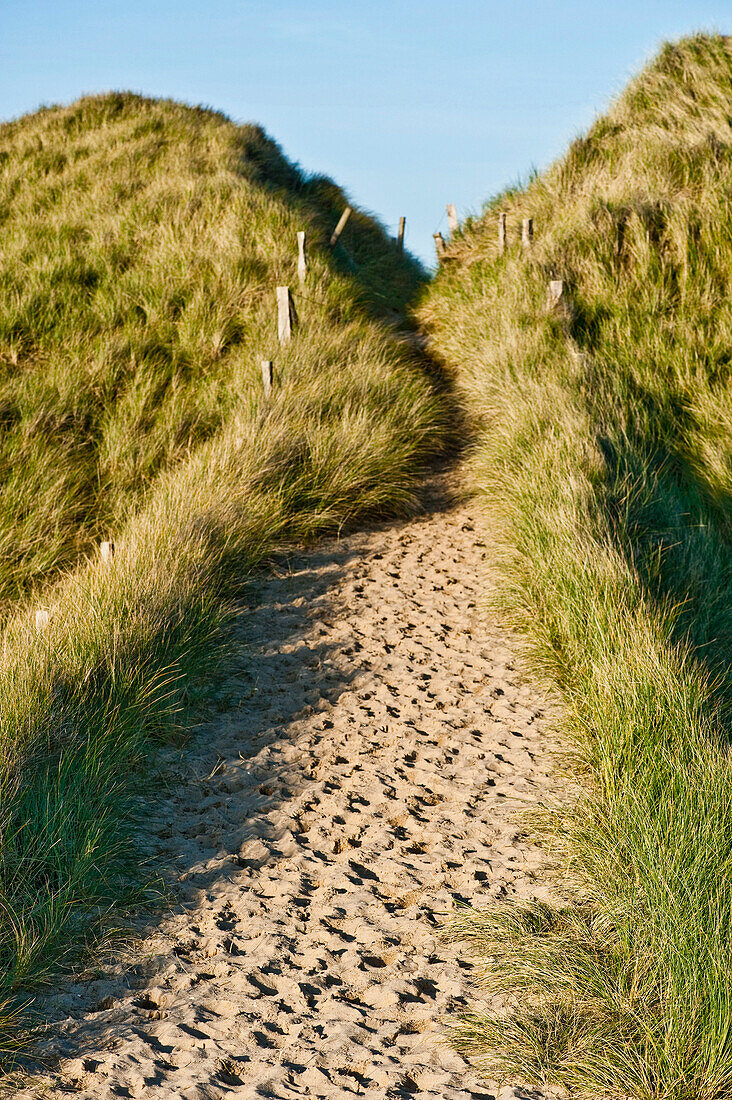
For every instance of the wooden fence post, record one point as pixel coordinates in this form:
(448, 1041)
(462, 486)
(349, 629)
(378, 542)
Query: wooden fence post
(106, 551)
(621, 236)
(527, 232)
(559, 300)
(501, 234)
(439, 245)
(286, 316)
(556, 290)
(400, 235)
(452, 219)
(340, 227)
(267, 376)
(302, 263)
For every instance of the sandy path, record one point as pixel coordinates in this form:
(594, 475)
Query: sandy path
(361, 775)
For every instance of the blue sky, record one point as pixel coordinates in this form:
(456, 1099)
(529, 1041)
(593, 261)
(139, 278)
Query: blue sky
(409, 105)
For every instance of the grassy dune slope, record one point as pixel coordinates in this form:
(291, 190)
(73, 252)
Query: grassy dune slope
(140, 245)
(605, 463)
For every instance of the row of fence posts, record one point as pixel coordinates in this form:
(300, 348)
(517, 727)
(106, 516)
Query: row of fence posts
(527, 233)
(557, 297)
(556, 293)
(286, 312)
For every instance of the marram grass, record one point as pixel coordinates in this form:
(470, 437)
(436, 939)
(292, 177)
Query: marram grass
(140, 247)
(604, 460)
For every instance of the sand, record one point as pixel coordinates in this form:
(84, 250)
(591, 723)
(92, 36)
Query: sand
(373, 745)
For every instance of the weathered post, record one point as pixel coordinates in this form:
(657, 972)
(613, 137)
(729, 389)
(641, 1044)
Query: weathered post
(621, 237)
(501, 234)
(527, 232)
(439, 245)
(452, 219)
(559, 301)
(400, 235)
(302, 263)
(106, 551)
(340, 227)
(556, 292)
(286, 316)
(267, 376)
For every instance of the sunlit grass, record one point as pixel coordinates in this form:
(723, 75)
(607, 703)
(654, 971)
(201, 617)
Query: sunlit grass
(605, 465)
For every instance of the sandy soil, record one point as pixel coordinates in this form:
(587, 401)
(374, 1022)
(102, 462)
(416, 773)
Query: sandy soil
(371, 751)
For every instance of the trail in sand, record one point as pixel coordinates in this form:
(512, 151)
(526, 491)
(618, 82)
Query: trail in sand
(376, 743)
